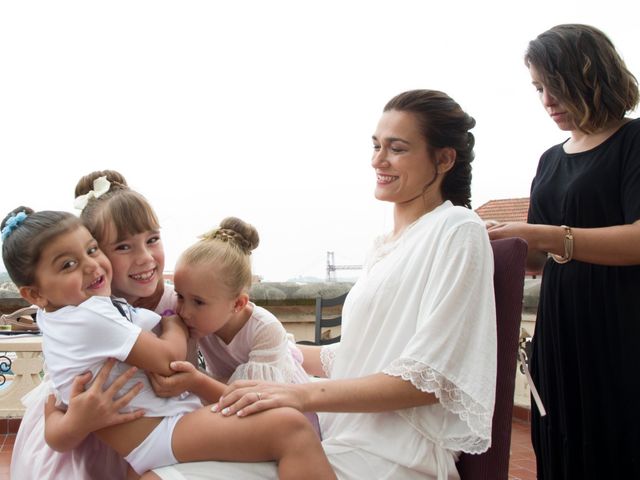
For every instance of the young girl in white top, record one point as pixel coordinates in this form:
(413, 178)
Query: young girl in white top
(128, 232)
(57, 265)
(239, 340)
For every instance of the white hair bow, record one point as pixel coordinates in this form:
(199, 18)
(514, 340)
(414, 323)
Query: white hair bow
(100, 186)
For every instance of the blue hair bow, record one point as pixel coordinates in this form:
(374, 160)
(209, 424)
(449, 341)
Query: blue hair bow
(12, 223)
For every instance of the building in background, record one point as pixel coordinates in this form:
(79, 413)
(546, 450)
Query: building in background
(505, 210)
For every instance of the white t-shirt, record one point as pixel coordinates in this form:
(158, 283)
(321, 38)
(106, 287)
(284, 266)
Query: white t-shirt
(82, 338)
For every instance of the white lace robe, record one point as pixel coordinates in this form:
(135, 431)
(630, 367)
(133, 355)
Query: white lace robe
(423, 310)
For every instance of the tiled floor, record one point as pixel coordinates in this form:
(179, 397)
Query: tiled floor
(8, 429)
(521, 467)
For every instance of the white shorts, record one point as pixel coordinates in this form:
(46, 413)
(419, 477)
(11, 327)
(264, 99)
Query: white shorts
(155, 450)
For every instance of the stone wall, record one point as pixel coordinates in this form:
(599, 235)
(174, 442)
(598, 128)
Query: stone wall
(294, 305)
(10, 299)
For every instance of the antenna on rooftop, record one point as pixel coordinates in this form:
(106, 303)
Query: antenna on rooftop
(332, 267)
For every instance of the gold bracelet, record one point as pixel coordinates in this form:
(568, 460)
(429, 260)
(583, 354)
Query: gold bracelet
(568, 247)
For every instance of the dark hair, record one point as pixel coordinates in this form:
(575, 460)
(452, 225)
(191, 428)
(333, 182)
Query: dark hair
(581, 68)
(21, 249)
(443, 124)
(228, 248)
(129, 211)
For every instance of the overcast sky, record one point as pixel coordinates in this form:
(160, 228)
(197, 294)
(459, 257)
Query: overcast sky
(265, 109)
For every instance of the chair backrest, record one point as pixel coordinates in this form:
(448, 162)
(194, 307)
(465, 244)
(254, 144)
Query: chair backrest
(326, 320)
(509, 256)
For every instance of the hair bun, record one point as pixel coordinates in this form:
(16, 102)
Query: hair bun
(237, 232)
(85, 184)
(14, 212)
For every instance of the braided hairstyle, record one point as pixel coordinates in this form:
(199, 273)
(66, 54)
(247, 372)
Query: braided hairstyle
(228, 248)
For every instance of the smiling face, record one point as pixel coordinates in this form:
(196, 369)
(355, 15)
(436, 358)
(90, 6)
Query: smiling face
(554, 108)
(138, 263)
(405, 167)
(71, 269)
(204, 302)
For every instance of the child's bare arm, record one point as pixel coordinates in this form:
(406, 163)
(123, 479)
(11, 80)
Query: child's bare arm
(154, 354)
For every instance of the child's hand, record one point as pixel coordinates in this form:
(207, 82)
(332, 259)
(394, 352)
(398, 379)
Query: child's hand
(184, 379)
(96, 405)
(89, 410)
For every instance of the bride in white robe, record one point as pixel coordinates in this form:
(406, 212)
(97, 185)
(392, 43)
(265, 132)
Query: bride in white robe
(412, 382)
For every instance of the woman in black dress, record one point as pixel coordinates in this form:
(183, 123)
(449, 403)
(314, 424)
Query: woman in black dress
(584, 229)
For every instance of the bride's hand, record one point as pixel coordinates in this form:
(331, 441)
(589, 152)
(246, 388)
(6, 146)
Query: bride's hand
(245, 397)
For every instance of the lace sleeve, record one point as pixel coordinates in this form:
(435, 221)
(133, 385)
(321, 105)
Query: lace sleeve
(451, 398)
(327, 356)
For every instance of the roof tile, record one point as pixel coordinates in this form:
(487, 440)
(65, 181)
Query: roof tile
(505, 210)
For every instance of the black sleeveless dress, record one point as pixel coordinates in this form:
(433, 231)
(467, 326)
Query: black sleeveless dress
(586, 347)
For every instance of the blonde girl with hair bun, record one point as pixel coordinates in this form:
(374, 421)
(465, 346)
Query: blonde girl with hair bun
(238, 339)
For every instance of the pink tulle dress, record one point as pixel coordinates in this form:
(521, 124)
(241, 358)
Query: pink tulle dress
(261, 350)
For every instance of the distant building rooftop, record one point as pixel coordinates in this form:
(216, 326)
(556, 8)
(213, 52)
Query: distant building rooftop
(505, 210)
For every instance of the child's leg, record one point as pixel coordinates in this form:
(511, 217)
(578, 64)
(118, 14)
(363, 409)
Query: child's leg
(281, 434)
(149, 476)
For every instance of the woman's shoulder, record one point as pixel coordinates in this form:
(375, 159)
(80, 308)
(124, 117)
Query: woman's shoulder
(449, 222)
(553, 151)
(630, 131)
(633, 125)
(453, 216)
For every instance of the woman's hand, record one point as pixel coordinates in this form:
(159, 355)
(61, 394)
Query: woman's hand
(499, 230)
(378, 392)
(184, 378)
(245, 397)
(536, 257)
(491, 223)
(89, 410)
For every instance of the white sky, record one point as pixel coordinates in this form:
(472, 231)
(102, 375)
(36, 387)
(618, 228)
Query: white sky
(265, 109)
